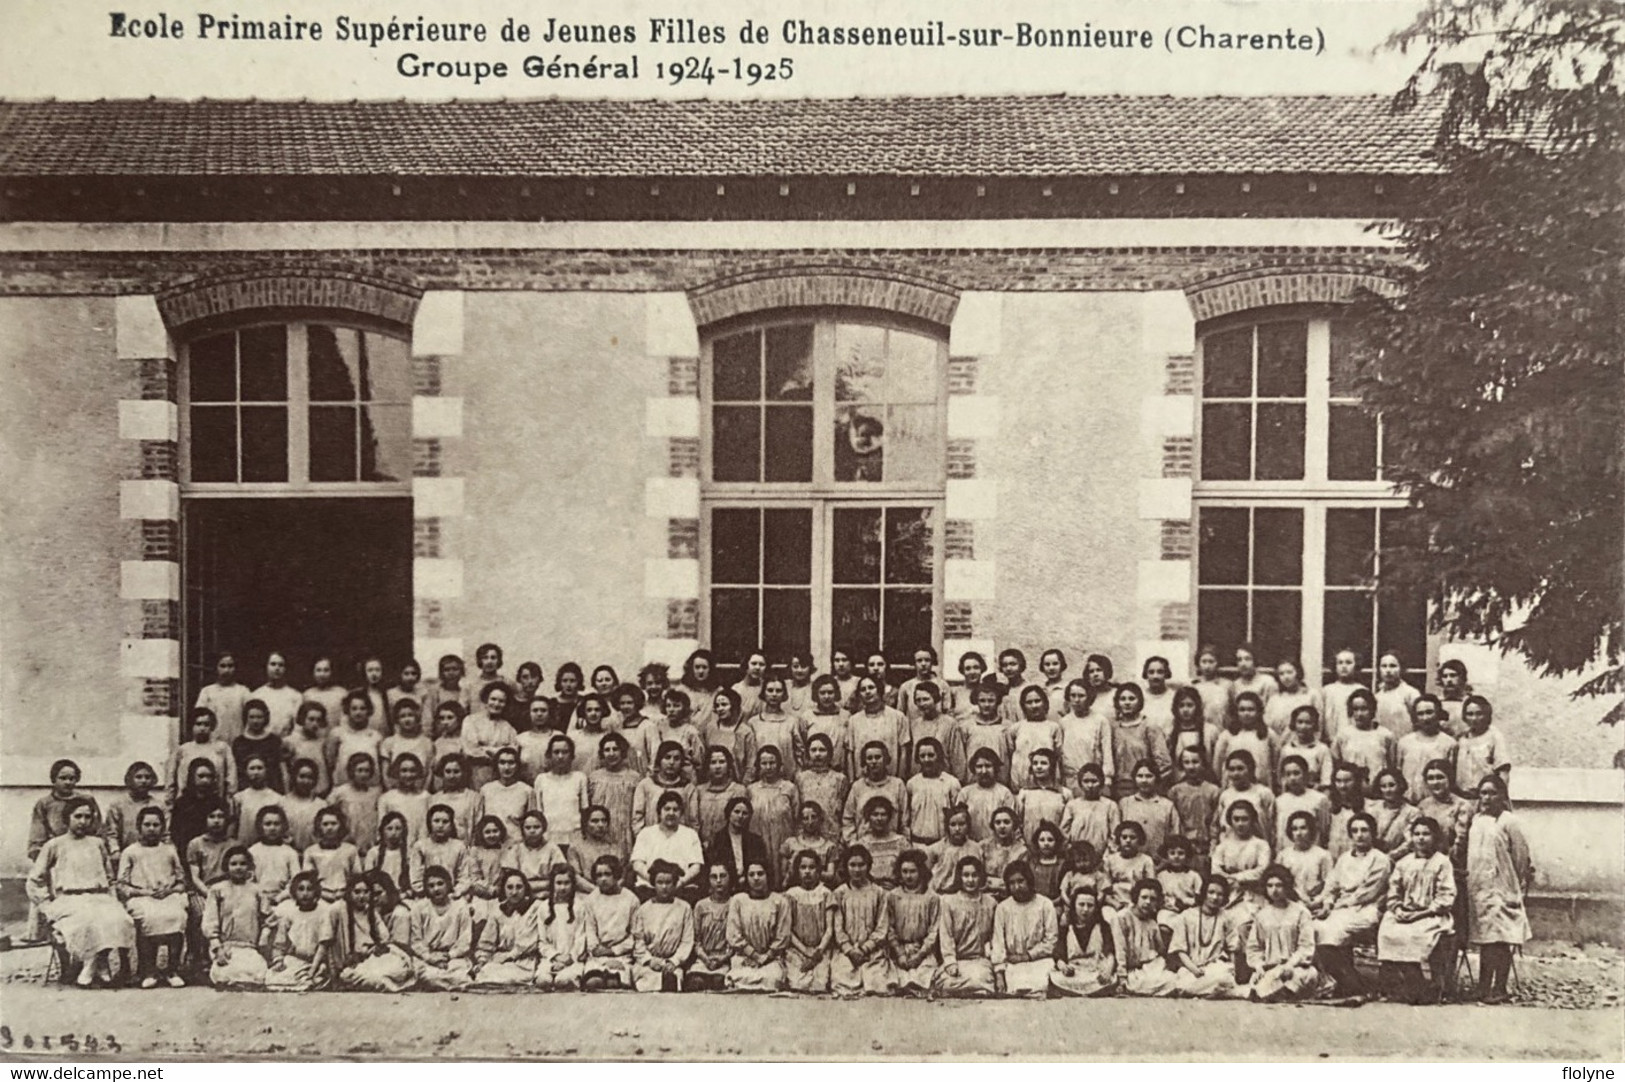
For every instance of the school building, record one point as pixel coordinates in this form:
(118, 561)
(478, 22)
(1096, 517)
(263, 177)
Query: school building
(605, 381)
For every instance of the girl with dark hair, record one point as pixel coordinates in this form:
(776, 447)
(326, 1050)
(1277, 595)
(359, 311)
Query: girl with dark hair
(70, 888)
(663, 937)
(1482, 749)
(385, 964)
(1137, 943)
(1280, 944)
(1290, 696)
(614, 786)
(1499, 874)
(1350, 906)
(1393, 813)
(1036, 731)
(609, 928)
(140, 779)
(860, 965)
(753, 668)
(774, 726)
(441, 937)
(152, 885)
(568, 684)
(698, 681)
(734, 843)
(1204, 947)
(1025, 935)
(708, 972)
(1084, 962)
(669, 776)
(1134, 739)
(823, 718)
(1417, 921)
(964, 934)
(391, 856)
(532, 853)
(1363, 742)
(812, 924)
(234, 925)
(1245, 730)
(758, 932)
(714, 799)
(304, 939)
(559, 943)
(1192, 729)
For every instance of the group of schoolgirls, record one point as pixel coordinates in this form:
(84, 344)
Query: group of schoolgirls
(828, 833)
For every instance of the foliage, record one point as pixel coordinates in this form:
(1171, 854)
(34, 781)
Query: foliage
(1497, 368)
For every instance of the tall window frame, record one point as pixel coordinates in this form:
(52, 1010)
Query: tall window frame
(828, 492)
(1333, 485)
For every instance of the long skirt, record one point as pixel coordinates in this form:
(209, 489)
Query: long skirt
(1411, 942)
(748, 978)
(88, 924)
(387, 972)
(1028, 978)
(800, 977)
(1300, 981)
(918, 979)
(296, 975)
(1152, 979)
(510, 974)
(650, 979)
(618, 969)
(1341, 927)
(451, 977)
(973, 977)
(159, 916)
(873, 978)
(1218, 981)
(564, 980)
(243, 968)
(1086, 980)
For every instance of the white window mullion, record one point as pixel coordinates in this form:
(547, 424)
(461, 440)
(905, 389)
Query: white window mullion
(1317, 414)
(1314, 592)
(298, 406)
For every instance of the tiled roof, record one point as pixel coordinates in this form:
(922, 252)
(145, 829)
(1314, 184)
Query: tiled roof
(989, 136)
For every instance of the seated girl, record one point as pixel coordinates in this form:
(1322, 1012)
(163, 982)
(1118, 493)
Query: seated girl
(1417, 920)
(663, 937)
(1350, 906)
(153, 885)
(708, 972)
(758, 932)
(70, 889)
(509, 945)
(442, 936)
(559, 948)
(1142, 968)
(1281, 944)
(609, 927)
(812, 923)
(304, 945)
(235, 925)
(1025, 935)
(1085, 963)
(914, 912)
(381, 961)
(859, 965)
(1203, 949)
(964, 934)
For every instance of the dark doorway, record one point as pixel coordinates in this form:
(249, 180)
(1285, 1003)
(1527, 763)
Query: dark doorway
(306, 577)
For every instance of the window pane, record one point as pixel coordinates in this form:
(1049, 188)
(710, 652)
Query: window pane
(1222, 555)
(736, 368)
(1227, 364)
(911, 367)
(334, 364)
(1280, 442)
(1345, 362)
(1221, 619)
(789, 363)
(910, 545)
(1227, 442)
(860, 443)
(265, 443)
(855, 619)
(735, 544)
(332, 443)
(386, 443)
(1352, 450)
(1347, 626)
(1278, 546)
(389, 368)
(860, 363)
(789, 443)
(856, 547)
(914, 448)
(1283, 352)
(736, 443)
(1277, 624)
(1350, 534)
(907, 622)
(214, 443)
(786, 622)
(734, 632)
(787, 545)
(212, 369)
(264, 353)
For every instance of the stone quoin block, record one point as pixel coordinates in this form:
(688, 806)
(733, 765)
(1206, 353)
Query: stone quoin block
(139, 330)
(437, 325)
(436, 418)
(1163, 580)
(141, 580)
(972, 500)
(149, 499)
(669, 329)
(148, 419)
(977, 329)
(672, 417)
(1165, 497)
(671, 578)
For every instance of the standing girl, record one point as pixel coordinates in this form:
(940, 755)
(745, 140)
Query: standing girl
(712, 800)
(1482, 749)
(1089, 816)
(1214, 689)
(505, 796)
(1362, 742)
(1156, 814)
(774, 726)
(561, 792)
(1304, 742)
(532, 743)
(823, 718)
(355, 736)
(668, 777)
(729, 729)
(1035, 731)
(1499, 873)
(119, 828)
(773, 798)
(391, 856)
(749, 688)
(1134, 739)
(1334, 697)
(1290, 695)
(698, 682)
(1085, 735)
(1245, 731)
(1250, 680)
(1191, 728)
(1394, 814)
(407, 797)
(874, 722)
(1394, 696)
(485, 734)
(614, 786)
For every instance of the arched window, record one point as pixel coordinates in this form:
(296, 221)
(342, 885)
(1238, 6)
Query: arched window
(1291, 506)
(297, 405)
(823, 479)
